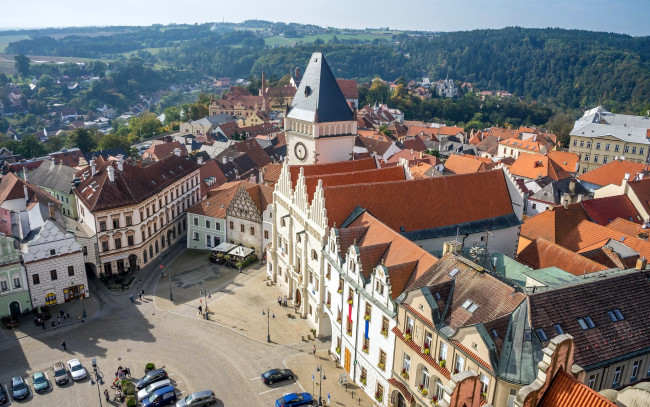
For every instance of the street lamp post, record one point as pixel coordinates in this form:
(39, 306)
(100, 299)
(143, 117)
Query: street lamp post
(83, 303)
(169, 277)
(321, 377)
(268, 323)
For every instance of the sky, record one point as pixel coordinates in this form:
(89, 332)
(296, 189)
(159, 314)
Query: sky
(620, 16)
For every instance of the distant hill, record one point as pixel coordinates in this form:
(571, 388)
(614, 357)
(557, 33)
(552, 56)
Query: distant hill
(567, 68)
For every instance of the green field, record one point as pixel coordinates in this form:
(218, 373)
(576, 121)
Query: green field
(153, 51)
(7, 61)
(6, 39)
(307, 39)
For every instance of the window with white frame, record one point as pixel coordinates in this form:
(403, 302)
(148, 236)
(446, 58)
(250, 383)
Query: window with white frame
(428, 339)
(3, 285)
(485, 383)
(196, 236)
(617, 376)
(406, 365)
(443, 351)
(635, 371)
(424, 380)
(460, 363)
(592, 381)
(409, 325)
(16, 282)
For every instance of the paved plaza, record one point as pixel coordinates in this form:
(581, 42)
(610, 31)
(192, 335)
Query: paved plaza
(225, 353)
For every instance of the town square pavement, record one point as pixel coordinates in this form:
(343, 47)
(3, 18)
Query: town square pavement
(225, 353)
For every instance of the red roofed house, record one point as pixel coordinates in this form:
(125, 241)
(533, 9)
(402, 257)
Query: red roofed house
(637, 189)
(160, 150)
(611, 173)
(513, 147)
(466, 164)
(533, 166)
(136, 212)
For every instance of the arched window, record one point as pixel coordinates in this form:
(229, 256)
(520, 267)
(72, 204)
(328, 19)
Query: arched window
(424, 380)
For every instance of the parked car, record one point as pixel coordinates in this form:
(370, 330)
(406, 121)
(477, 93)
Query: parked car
(60, 374)
(77, 371)
(40, 382)
(295, 399)
(153, 376)
(276, 375)
(200, 398)
(161, 397)
(19, 389)
(146, 392)
(3, 396)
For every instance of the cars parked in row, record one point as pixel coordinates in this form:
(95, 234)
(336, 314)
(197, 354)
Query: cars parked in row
(276, 375)
(200, 398)
(77, 371)
(146, 392)
(61, 376)
(295, 399)
(161, 397)
(40, 382)
(151, 377)
(19, 389)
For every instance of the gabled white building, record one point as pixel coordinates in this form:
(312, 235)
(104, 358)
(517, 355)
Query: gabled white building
(368, 266)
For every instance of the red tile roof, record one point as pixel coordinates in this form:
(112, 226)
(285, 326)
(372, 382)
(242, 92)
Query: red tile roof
(332, 168)
(132, 185)
(348, 88)
(70, 158)
(568, 161)
(535, 165)
(566, 391)
(255, 151)
(211, 169)
(613, 172)
(450, 200)
(465, 164)
(216, 204)
(402, 389)
(641, 189)
(555, 224)
(528, 145)
(12, 187)
(587, 234)
(627, 227)
(162, 150)
(542, 254)
(503, 133)
(605, 210)
(372, 176)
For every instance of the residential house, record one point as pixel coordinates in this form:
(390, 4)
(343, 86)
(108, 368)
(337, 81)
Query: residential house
(553, 224)
(350, 91)
(458, 318)
(446, 88)
(136, 212)
(162, 150)
(532, 166)
(612, 173)
(599, 137)
(367, 265)
(636, 189)
(206, 124)
(14, 290)
(512, 147)
(569, 162)
(466, 164)
(238, 102)
(59, 181)
(541, 253)
(561, 192)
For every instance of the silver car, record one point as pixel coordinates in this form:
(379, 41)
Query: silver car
(200, 398)
(146, 392)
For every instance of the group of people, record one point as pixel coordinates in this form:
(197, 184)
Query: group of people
(63, 316)
(140, 295)
(282, 301)
(121, 374)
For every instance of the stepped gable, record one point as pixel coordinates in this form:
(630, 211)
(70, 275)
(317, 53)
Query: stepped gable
(424, 203)
(403, 259)
(331, 168)
(542, 253)
(319, 98)
(132, 185)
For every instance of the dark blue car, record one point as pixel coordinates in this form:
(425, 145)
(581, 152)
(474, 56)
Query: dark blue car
(295, 399)
(161, 397)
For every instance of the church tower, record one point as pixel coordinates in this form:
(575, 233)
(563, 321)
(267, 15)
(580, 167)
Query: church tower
(319, 125)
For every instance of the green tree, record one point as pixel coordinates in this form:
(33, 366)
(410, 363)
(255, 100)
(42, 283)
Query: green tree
(172, 114)
(56, 143)
(144, 126)
(114, 140)
(22, 65)
(561, 124)
(30, 147)
(84, 139)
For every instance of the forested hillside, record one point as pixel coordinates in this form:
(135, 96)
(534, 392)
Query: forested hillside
(565, 68)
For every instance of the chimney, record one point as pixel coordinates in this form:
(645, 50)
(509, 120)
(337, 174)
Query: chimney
(177, 152)
(572, 186)
(111, 173)
(641, 263)
(640, 176)
(263, 90)
(224, 159)
(50, 207)
(26, 192)
(199, 160)
(627, 176)
(138, 162)
(297, 76)
(93, 168)
(120, 164)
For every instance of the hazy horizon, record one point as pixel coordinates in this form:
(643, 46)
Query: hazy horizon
(624, 16)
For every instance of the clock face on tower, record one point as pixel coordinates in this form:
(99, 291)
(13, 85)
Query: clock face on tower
(301, 151)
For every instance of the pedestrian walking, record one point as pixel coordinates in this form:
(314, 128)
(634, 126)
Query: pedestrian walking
(142, 292)
(58, 321)
(280, 301)
(140, 296)
(53, 324)
(285, 301)
(131, 297)
(313, 350)
(200, 309)
(67, 315)
(61, 312)
(64, 345)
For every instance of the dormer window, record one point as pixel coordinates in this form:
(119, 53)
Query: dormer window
(586, 323)
(470, 306)
(615, 315)
(541, 334)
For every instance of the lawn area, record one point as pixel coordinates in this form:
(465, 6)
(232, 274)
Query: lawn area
(7, 61)
(6, 39)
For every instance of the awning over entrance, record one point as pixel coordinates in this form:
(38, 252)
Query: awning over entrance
(241, 251)
(224, 247)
